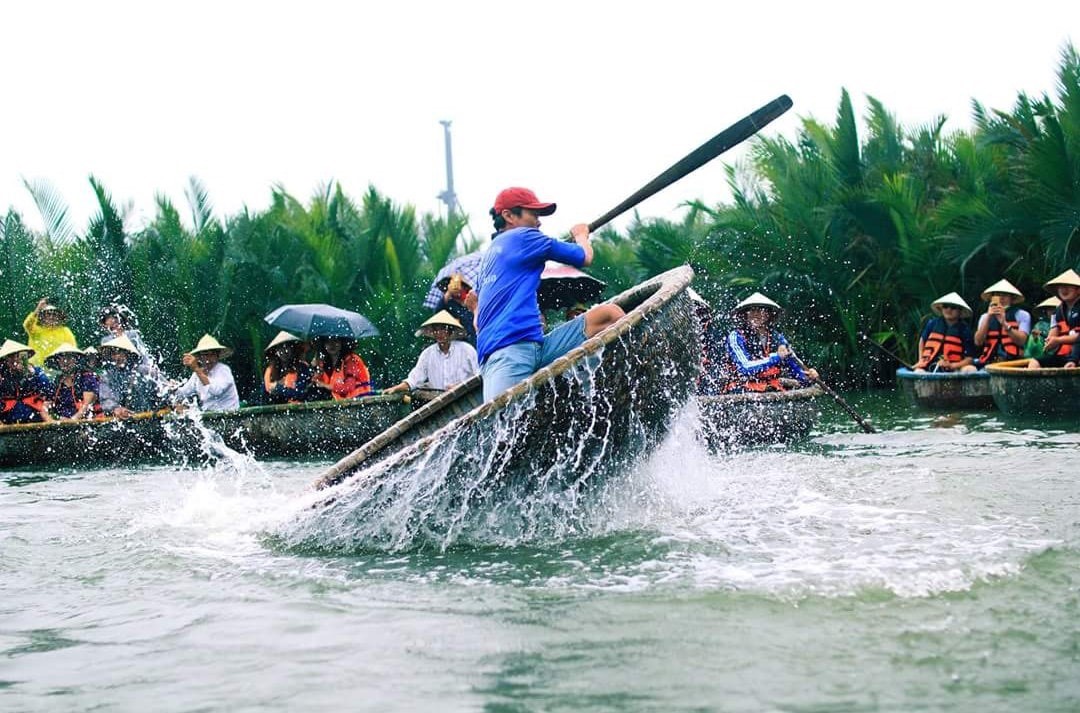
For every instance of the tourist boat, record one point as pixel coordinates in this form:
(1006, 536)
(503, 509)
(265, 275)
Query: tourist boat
(758, 418)
(1019, 391)
(946, 390)
(323, 429)
(598, 409)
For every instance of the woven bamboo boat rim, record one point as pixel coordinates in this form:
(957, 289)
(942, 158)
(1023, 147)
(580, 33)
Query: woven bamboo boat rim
(770, 397)
(1018, 368)
(910, 375)
(671, 282)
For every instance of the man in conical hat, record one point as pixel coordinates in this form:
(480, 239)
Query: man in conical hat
(755, 354)
(1003, 329)
(23, 386)
(444, 364)
(124, 390)
(1061, 347)
(946, 342)
(75, 388)
(211, 381)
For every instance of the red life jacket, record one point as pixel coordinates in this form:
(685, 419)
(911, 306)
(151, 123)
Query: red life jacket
(765, 380)
(948, 344)
(996, 335)
(33, 400)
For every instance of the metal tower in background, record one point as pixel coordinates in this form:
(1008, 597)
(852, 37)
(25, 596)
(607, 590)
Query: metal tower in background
(448, 196)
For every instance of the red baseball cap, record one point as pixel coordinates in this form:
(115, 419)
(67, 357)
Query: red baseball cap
(509, 198)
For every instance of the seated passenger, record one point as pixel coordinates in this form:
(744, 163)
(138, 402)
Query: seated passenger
(287, 377)
(444, 364)
(755, 354)
(122, 389)
(1003, 329)
(46, 330)
(75, 389)
(119, 321)
(1045, 313)
(946, 343)
(456, 301)
(23, 387)
(211, 381)
(340, 373)
(1062, 338)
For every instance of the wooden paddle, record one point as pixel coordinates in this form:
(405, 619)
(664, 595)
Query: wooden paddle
(732, 136)
(910, 367)
(839, 399)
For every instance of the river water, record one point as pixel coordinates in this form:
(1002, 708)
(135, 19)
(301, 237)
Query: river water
(932, 567)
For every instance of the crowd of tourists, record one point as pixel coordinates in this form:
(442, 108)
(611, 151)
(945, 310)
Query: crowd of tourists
(1004, 331)
(51, 378)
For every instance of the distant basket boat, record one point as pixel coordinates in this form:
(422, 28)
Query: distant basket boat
(1019, 391)
(946, 390)
(323, 428)
(598, 408)
(754, 419)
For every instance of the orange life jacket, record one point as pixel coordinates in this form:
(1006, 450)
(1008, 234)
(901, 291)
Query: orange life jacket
(33, 400)
(1061, 321)
(948, 344)
(995, 335)
(349, 380)
(288, 381)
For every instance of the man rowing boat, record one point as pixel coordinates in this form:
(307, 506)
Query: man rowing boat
(511, 344)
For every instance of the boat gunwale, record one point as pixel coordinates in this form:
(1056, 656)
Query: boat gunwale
(664, 288)
(905, 373)
(1017, 368)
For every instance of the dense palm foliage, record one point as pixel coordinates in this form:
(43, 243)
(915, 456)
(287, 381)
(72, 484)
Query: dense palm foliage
(854, 230)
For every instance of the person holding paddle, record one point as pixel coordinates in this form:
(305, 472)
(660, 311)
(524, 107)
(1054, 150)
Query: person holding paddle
(755, 353)
(510, 342)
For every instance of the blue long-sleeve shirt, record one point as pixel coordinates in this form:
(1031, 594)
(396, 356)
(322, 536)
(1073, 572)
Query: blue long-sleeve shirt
(749, 360)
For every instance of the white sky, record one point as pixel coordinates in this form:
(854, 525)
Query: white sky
(582, 101)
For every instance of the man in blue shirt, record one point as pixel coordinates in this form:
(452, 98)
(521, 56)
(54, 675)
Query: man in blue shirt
(510, 340)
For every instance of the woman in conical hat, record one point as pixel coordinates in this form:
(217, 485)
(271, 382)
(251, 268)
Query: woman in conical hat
(755, 354)
(947, 342)
(23, 387)
(444, 364)
(211, 381)
(287, 377)
(1061, 347)
(1002, 331)
(75, 388)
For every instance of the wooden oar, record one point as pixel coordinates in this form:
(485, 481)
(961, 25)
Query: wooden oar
(839, 399)
(888, 353)
(732, 136)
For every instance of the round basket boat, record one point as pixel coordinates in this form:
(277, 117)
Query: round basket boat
(1020, 391)
(949, 391)
(754, 419)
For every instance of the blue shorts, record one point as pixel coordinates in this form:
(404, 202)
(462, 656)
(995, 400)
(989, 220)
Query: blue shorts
(517, 362)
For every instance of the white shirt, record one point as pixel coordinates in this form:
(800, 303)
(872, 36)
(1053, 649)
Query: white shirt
(436, 370)
(219, 395)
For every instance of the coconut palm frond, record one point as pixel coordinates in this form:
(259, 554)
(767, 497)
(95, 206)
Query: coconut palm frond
(54, 211)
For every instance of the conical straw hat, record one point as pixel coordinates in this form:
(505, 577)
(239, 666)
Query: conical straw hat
(65, 348)
(1069, 277)
(121, 342)
(444, 318)
(1049, 303)
(757, 300)
(1002, 287)
(951, 299)
(10, 346)
(209, 344)
(282, 337)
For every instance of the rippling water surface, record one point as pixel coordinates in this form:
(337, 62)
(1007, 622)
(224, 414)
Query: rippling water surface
(933, 566)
